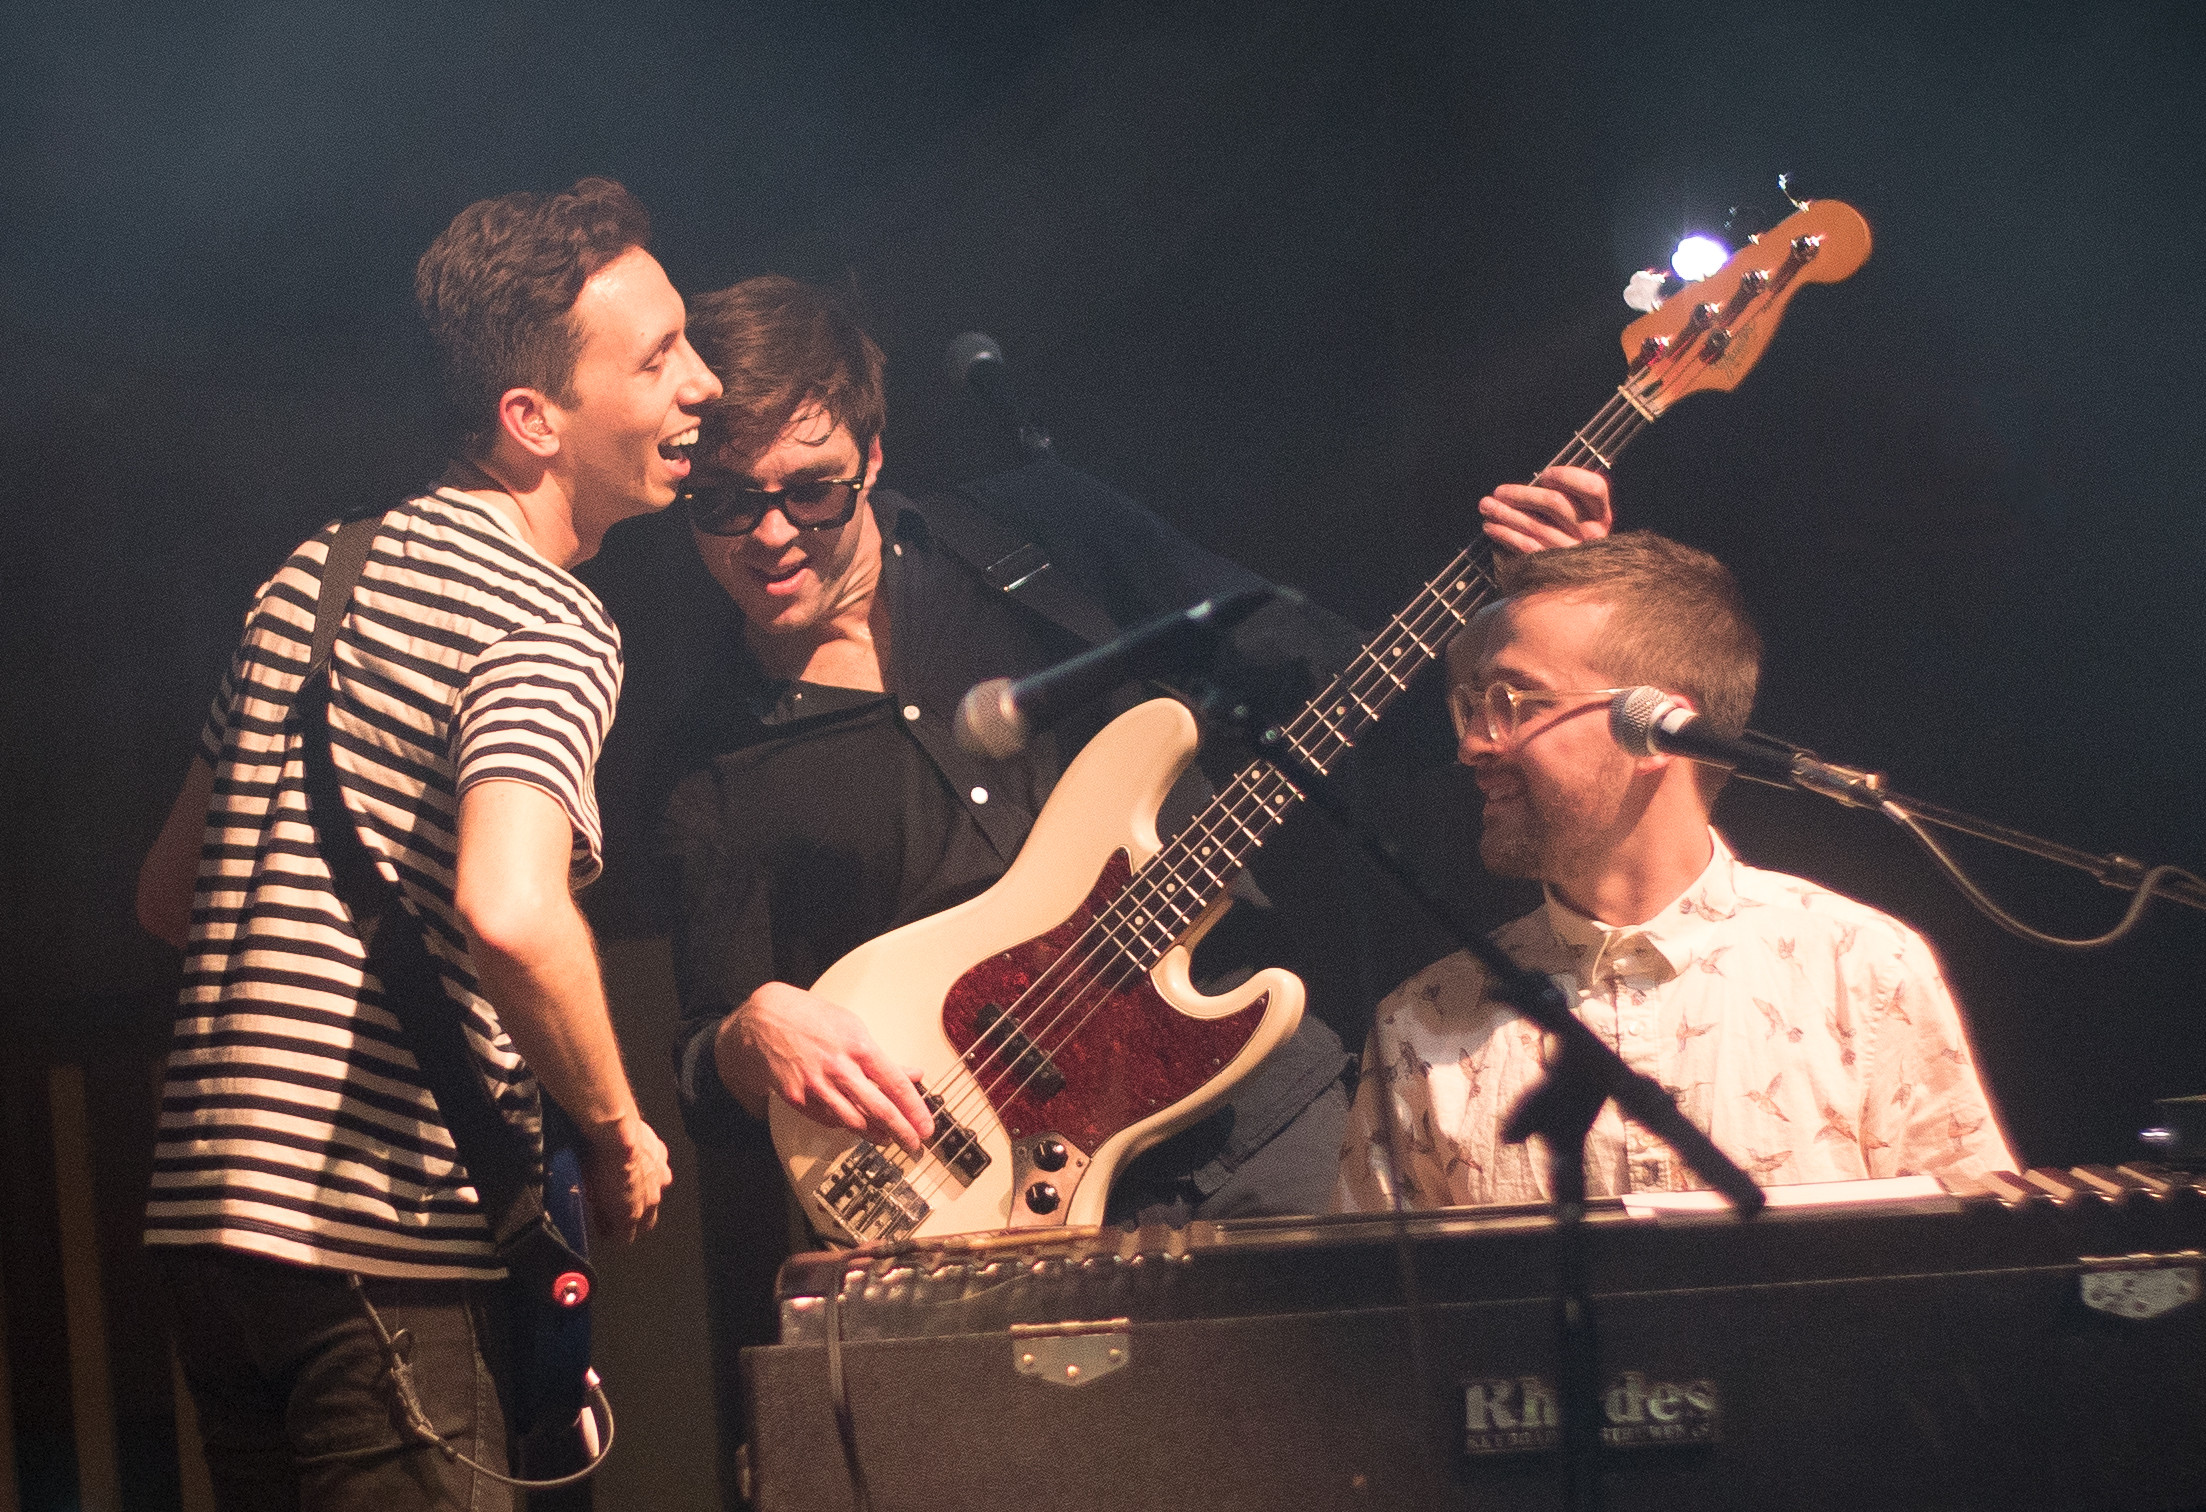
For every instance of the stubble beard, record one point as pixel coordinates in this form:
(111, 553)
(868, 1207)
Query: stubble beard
(1513, 848)
(1543, 841)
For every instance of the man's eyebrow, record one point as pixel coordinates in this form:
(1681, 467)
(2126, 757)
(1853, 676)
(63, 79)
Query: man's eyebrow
(810, 472)
(1515, 677)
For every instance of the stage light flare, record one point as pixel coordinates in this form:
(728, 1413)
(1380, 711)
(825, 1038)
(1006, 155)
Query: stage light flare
(1698, 256)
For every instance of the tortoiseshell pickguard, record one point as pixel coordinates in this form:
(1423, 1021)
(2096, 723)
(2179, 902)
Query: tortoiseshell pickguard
(1132, 1053)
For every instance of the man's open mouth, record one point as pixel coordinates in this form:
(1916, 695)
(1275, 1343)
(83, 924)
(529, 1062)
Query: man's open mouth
(676, 448)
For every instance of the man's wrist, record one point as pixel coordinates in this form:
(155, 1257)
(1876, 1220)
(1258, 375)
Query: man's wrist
(615, 1131)
(734, 1054)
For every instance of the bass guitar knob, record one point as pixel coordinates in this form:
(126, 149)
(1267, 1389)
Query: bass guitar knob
(1042, 1198)
(1050, 1154)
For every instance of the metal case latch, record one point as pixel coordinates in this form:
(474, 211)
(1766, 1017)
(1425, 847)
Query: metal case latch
(2141, 1286)
(1071, 1354)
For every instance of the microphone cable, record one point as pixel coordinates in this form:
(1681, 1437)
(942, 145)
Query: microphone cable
(2140, 900)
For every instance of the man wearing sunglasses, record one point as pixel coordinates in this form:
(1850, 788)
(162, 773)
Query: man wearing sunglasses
(818, 798)
(1810, 1035)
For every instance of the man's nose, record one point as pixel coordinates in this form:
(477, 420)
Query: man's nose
(774, 527)
(1474, 745)
(702, 386)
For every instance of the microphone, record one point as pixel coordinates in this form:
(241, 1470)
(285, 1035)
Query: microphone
(997, 718)
(974, 361)
(1647, 721)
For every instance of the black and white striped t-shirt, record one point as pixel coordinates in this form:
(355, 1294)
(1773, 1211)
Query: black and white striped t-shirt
(294, 1120)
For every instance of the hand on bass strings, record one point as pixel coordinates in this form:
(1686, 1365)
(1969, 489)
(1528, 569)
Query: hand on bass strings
(624, 1169)
(1563, 506)
(819, 1058)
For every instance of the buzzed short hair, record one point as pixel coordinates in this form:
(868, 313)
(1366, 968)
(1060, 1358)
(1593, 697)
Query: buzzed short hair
(498, 289)
(1677, 622)
(780, 347)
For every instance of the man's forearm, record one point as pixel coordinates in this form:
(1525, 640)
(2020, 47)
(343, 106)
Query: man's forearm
(550, 997)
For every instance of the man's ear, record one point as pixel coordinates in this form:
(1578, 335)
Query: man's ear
(528, 420)
(873, 460)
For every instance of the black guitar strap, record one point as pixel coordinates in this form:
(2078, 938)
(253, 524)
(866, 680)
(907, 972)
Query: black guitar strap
(1013, 563)
(506, 1172)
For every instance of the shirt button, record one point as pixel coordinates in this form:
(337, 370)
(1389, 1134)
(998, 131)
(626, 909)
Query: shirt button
(980, 795)
(911, 711)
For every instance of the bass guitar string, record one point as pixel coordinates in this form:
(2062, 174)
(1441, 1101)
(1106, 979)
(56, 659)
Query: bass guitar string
(1380, 662)
(1147, 903)
(1613, 426)
(1071, 982)
(1371, 683)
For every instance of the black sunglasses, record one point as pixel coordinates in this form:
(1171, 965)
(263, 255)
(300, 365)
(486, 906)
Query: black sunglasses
(724, 508)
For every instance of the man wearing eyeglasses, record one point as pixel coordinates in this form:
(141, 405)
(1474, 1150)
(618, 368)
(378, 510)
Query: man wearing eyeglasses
(818, 798)
(1810, 1035)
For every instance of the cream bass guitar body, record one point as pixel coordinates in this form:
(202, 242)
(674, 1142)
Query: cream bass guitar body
(1051, 1018)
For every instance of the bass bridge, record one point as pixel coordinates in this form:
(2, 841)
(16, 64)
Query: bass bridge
(873, 1197)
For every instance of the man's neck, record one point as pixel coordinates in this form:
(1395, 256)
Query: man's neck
(846, 656)
(1639, 879)
(531, 500)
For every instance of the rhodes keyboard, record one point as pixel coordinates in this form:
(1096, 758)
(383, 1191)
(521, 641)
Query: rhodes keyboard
(2040, 1343)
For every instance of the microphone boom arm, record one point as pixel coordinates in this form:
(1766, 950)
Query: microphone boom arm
(1645, 720)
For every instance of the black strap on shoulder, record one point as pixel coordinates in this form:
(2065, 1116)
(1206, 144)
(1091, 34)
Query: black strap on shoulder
(507, 1175)
(1013, 563)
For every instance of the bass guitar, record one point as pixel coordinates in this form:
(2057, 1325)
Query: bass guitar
(1052, 1017)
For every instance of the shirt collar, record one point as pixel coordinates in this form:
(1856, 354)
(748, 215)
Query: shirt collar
(1663, 946)
(458, 498)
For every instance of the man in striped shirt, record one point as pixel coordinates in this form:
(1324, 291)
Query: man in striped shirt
(470, 689)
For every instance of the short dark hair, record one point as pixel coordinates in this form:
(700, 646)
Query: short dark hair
(498, 289)
(779, 347)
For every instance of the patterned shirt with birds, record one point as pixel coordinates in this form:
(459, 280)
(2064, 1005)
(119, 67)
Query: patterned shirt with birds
(1810, 1035)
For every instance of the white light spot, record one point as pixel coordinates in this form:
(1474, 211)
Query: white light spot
(911, 711)
(1698, 256)
(980, 795)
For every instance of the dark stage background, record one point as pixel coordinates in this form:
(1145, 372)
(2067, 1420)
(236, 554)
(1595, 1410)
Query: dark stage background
(1307, 278)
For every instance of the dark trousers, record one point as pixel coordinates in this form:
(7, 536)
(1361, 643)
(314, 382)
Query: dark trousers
(294, 1399)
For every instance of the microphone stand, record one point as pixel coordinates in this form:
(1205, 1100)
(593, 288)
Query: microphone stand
(976, 364)
(1583, 1076)
(1861, 789)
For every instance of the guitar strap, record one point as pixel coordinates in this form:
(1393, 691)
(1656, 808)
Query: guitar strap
(1014, 564)
(507, 1174)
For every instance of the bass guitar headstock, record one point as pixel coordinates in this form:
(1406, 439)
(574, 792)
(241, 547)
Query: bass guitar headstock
(1709, 334)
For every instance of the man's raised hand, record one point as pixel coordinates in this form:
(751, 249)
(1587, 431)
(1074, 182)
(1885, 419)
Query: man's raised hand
(819, 1058)
(1563, 506)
